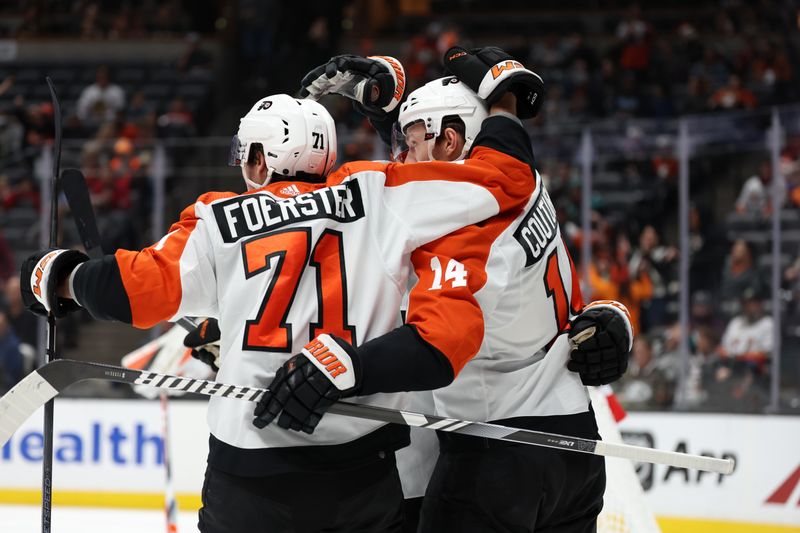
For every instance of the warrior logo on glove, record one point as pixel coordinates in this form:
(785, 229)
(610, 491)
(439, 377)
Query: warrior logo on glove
(40, 276)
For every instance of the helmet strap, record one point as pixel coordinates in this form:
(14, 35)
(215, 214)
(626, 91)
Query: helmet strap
(253, 185)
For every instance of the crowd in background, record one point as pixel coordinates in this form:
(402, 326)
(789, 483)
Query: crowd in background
(745, 58)
(117, 129)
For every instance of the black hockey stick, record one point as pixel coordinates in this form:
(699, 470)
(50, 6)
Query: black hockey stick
(74, 186)
(50, 353)
(43, 384)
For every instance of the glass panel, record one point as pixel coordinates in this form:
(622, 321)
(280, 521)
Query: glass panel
(730, 316)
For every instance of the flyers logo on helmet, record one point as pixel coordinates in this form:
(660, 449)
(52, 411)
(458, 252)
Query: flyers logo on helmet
(505, 65)
(266, 104)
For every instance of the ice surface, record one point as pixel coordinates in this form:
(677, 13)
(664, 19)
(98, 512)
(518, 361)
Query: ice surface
(27, 519)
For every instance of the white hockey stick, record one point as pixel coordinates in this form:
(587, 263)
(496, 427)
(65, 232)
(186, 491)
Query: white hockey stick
(48, 381)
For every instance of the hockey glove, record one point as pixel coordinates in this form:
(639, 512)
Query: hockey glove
(376, 84)
(40, 276)
(491, 72)
(309, 383)
(601, 338)
(204, 342)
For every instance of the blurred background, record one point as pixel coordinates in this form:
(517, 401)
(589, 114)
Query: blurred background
(669, 141)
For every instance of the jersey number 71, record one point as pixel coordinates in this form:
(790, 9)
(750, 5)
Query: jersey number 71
(270, 331)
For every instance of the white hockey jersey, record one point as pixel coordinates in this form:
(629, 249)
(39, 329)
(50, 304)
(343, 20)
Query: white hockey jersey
(277, 268)
(509, 285)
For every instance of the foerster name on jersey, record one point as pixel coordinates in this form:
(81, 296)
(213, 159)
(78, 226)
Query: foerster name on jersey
(258, 213)
(538, 229)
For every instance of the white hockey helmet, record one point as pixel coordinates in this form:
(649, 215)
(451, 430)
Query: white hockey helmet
(295, 135)
(438, 99)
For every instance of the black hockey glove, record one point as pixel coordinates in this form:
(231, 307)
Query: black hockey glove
(40, 276)
(491, 72)
(601, 339)
(204, 342)
(308, 383)
(375, 84)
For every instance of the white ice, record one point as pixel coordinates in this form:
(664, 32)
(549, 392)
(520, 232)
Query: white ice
(27, 519)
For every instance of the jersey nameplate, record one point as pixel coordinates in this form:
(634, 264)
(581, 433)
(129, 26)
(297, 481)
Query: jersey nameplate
(538, 229)
(254, 214)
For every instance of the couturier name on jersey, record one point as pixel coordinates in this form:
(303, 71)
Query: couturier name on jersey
(537, 229)
(253, 214)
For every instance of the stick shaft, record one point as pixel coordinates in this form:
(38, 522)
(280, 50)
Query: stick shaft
(50, 354)
(62, 373)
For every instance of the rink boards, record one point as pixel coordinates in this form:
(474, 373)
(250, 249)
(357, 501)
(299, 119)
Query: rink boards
(109, 453)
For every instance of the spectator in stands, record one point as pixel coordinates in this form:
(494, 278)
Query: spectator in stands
(648, 383)
(138, 108)
(741, 369)
(755, 196)
(11, 362)
(102, 100)
(177, 121)
(656, 261)
(738, 274)
(633, 34)
(733, 96)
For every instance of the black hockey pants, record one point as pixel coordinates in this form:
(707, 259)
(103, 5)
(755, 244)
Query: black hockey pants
(368, 499)
(485, 486)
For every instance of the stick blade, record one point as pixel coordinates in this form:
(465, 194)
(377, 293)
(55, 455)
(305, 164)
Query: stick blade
(74, 186)
(18, 404)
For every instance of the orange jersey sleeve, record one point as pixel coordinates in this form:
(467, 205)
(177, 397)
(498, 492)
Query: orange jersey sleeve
(442, 305)
(152, 278)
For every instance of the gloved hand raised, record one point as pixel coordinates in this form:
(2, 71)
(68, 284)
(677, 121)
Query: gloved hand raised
(307, 384)
(601, 338)
(491, 72)
(40, 276)
(375, 84)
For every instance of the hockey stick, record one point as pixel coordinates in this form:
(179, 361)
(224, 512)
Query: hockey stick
(74, 186)
(75, 189)
(45, 383)
(50, 353)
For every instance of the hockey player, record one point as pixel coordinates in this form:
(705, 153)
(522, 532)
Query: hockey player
(510, 286)
(279, 266)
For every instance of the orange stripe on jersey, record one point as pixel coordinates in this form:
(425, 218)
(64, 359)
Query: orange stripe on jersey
(509, 180)
(450, 318)
(151, 277)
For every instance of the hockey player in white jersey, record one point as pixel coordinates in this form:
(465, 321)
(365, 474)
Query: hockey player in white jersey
(510, 288)
(279, 266)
